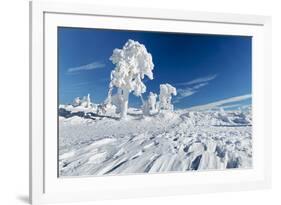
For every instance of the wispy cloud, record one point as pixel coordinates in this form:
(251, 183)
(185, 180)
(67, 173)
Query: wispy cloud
(204, 79)
(222, 103)
(197, 86)
(191, 87)
(231, 106)
(186, 92)
(90, 66)
(81, 84)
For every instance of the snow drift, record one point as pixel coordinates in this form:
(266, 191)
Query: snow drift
(91, 144)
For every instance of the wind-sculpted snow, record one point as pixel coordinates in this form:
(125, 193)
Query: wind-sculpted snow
(170, 141)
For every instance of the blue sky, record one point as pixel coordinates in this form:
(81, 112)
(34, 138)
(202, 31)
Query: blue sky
(203, 68)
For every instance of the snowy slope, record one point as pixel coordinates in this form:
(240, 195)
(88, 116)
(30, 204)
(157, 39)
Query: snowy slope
(183, 140)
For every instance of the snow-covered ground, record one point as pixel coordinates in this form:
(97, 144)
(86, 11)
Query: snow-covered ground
(91, 144)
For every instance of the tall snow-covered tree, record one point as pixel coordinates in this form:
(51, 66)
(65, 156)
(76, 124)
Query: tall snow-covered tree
(132, 64)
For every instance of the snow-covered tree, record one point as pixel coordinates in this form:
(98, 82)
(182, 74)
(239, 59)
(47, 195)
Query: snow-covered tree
(132, 64)
(149, 106)
(165, 96)
(76, 102)
(86, 101)
(152, 99)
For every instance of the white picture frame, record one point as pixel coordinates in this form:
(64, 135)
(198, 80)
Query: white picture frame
(46, 187)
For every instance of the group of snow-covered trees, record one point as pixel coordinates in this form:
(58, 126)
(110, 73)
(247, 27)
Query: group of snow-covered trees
(152, 106)
(84, 102)
(132, 64)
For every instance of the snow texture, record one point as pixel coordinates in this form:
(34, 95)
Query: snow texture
(181, 140)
